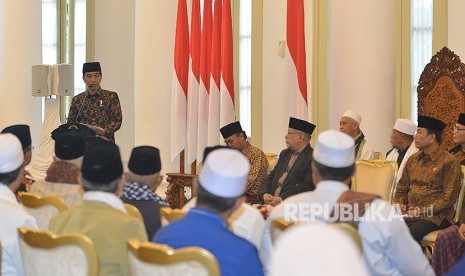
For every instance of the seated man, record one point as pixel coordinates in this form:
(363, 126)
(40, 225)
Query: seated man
(293, 173)
(101, 215)
(450, 243)
(12, 215)
(388, 248)
(235, 138)
(221, 186)
(402, 144)
(143, 180)
(62, 176)
(429, 185)
(23, 133)
(350, 124)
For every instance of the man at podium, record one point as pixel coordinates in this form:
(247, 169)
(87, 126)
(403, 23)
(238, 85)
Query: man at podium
(97, 108)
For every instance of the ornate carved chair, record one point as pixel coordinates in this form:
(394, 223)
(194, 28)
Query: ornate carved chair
(146, 258)
(441, 91)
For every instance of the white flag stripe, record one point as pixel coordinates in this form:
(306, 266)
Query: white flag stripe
(203, 121)
(213, 114)
(178, 119)
(228, 114)
(192, 119)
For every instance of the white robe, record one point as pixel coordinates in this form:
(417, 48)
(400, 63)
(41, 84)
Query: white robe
(392, 156)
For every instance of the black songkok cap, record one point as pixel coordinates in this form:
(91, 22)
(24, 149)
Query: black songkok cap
(461, 119)
(72, 129)
(144, 160)
(22, 132)
(68, 147)
(431, 123)
(301, 125)
(91, 67)
(102, 163)
(231, 129)
(208, 150)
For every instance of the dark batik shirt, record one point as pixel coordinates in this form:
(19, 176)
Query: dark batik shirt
(101, 109)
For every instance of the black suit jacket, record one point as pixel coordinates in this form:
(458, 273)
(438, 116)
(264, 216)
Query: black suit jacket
(299, 178)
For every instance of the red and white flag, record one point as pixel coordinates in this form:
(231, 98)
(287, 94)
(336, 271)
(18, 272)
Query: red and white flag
(214, 96)
(205, 56)
(227, 114)
(180, 82)
(295, 61)
(194, 82)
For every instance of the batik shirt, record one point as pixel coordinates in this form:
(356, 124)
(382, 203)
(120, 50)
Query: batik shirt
(101, 109)
(257, 174)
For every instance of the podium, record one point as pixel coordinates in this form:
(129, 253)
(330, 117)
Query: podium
(76, 129)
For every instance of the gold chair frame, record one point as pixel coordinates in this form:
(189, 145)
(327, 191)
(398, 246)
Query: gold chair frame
(164, 255)
(280, 225)
(380, 164)
(351, 231)
(50, 240)
(35, 201)
(171, 214)
(133, 211)
(428, 242)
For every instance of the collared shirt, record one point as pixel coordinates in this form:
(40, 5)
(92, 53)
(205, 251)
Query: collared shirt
(388, 247)
(12, 216)
(107, 198)
(206, 229)
(101, 109)
(430, 182)
(257, 173)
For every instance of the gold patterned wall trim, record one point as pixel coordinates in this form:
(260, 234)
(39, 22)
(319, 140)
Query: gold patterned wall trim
(441, 91)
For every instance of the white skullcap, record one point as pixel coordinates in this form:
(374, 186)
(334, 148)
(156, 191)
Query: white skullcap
(353, 115)
(11, 153)
(334, 149)
(224, 173)
(405, 126)
(316, 249)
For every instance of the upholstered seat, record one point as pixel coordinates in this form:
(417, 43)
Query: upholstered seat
(45, 253)
(146, 258)
(376, 177)
(42, 208)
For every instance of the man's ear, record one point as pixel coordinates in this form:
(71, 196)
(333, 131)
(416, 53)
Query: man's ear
(239, 202)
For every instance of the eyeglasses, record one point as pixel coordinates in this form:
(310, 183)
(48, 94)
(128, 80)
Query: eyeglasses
(457, 129)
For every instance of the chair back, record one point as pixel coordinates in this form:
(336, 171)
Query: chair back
(441, 91)
(278, 226)
(146, 258)
(42, 208)
(133, 211)
(168, 215)
(459, 203)
(351, 231)
(272, 161)
(375, 177)
(46, 253)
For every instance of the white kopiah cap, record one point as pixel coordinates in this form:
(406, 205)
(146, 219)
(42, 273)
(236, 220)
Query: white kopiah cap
(405, 126)
(224, 173)
(11, 153)
(334, 149)
(354, 115)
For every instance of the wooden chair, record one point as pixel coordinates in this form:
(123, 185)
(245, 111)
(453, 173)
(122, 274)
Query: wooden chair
(375, 177)
(168, 215)
(146, 258)
(441, 91)
(428, 241)
(46, 253)
(42, 208)
(133, 211)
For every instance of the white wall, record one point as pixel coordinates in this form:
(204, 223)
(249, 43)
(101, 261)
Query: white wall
(114, 48)
(456, 10)
(362, 66)
(275, 120)
(20, 48)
